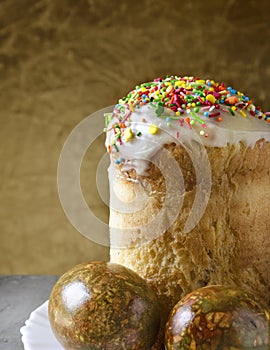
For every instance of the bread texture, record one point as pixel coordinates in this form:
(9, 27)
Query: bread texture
(192, 167)
(229, 245)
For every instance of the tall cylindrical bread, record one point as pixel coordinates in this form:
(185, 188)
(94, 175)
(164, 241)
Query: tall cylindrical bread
(190, 187)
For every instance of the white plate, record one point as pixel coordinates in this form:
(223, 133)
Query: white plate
(37, 333)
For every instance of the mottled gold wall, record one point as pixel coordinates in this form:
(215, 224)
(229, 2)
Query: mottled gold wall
(61, 60)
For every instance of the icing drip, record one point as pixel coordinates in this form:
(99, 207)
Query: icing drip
(179, 110)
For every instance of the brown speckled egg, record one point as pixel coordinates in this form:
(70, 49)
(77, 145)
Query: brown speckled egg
(218, 318)
(99, 305)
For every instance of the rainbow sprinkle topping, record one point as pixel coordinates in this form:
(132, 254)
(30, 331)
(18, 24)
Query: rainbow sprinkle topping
(186, 97)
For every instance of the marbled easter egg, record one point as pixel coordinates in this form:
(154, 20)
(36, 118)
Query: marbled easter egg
(100, 305)
(218, 318)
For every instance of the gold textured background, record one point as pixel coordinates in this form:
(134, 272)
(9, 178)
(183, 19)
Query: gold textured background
(61, 60)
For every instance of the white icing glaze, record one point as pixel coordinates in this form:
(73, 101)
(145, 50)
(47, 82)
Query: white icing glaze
(140, 149)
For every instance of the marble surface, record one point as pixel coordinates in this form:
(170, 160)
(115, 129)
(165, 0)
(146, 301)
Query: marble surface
(62, 60)
(20, 295)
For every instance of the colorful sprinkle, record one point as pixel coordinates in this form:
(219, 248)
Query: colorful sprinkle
(243, 113)
(115, 147)
(189, 98)
(128, 134)
(214, 114)
(211, 98)
(119, 160)
(231, 111)
(153, 129)
(231, 100)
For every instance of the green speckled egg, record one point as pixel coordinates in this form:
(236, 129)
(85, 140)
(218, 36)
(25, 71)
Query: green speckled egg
(218, 318)
(103, 306)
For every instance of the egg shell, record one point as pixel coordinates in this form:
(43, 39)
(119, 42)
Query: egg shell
(218, 317)
(101, 305)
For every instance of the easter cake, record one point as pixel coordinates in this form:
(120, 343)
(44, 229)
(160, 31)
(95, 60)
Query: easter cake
(190, 187)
